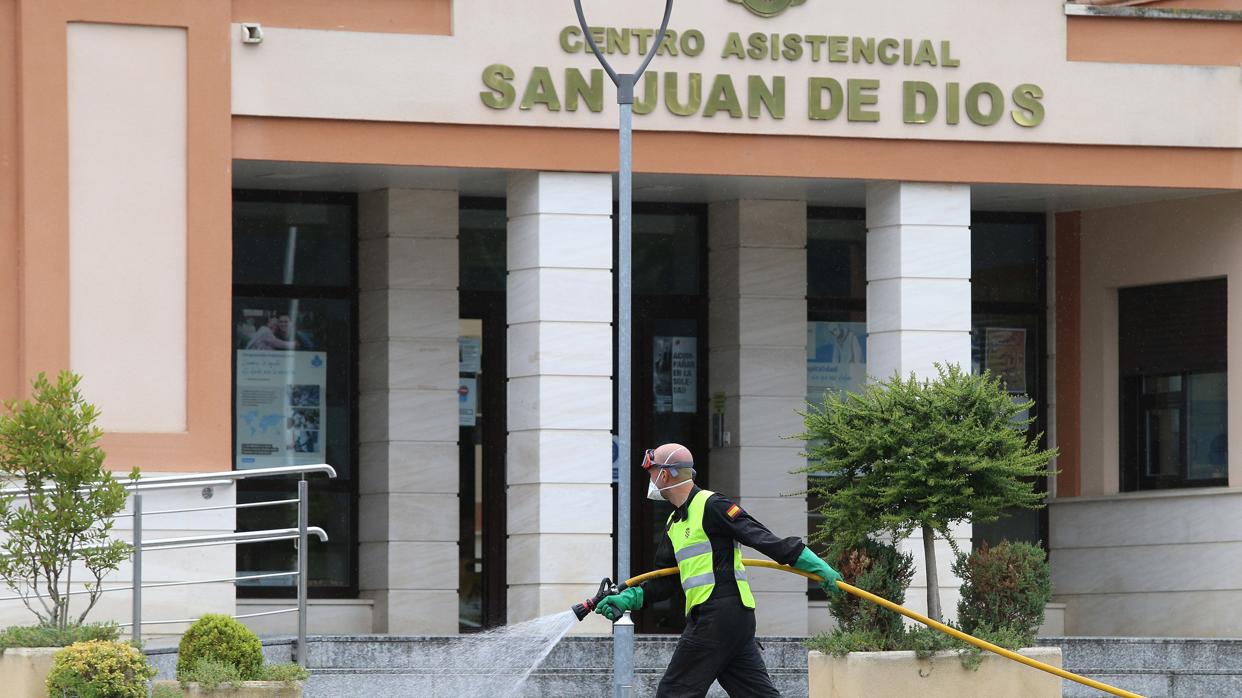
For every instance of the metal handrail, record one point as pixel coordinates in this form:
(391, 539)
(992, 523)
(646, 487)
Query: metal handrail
(247, 505)
(226, 538)
(208, 479)
(301, 534)
(159, 585)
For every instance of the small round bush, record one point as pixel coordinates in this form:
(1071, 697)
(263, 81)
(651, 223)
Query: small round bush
(224, 640)
(1004, 588)
(99, 669)
(879, 568)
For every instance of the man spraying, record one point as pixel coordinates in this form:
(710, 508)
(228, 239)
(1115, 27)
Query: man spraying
(705, 534)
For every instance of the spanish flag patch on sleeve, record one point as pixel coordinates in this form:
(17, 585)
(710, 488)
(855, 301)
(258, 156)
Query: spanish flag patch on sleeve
(733, 511)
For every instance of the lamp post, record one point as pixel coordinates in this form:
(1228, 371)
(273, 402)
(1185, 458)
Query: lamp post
(623, 631)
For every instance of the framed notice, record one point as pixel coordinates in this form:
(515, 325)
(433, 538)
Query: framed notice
(675, 374)
(280, 407)
(1005, 356)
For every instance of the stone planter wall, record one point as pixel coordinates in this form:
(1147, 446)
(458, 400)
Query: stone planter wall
(24, 670)
(903, 675)
(247, 689)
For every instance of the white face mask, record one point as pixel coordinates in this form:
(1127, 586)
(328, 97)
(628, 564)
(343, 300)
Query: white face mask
(657, 493)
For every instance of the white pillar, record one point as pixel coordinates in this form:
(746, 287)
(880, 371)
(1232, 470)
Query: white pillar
(757, 286)
(918, 313)
(560, 392)
(408, 510)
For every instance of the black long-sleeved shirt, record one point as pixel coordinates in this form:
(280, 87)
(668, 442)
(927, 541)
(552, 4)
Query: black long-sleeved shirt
(722, 530)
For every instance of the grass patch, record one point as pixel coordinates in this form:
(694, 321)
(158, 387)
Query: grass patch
(52, 636)
(288, 673)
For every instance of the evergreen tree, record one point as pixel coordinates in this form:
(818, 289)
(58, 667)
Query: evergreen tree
(906, 455)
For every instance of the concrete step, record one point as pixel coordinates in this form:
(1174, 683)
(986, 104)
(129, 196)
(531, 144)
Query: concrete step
(1145, 653)
(1154, 667)
(425, 652)
(580, 683)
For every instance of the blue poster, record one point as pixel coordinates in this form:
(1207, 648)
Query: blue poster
(836, 358)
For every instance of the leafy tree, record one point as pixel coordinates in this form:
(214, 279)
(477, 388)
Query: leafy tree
(906, 455)
(63, 521)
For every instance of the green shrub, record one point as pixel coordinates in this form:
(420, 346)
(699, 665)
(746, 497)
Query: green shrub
(221, 639)
(841, 642)
(99, 669)
(922, 640)
(879, 568)
(210, 674)
(49, 448)
(287, 673)
(53, 636)
(918, 454)
(1004, 589)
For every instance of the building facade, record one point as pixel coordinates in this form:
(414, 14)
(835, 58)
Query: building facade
(380, 234)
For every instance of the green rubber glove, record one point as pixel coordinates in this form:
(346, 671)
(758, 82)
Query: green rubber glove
(611, 607)
(810, 562)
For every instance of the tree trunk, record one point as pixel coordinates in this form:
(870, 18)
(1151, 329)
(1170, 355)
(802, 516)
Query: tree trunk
(933, 584)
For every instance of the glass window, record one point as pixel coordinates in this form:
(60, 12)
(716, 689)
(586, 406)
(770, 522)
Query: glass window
(836, 255)
(294, 375)
(666, 251)
(1005, 259)
(1207, 413)
(1173, 382)
(481, 245)
(292, 242)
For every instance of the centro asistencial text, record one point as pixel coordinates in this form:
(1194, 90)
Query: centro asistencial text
(757, 96)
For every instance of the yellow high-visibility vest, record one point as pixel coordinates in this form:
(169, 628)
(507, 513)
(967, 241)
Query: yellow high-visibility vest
(693, 551)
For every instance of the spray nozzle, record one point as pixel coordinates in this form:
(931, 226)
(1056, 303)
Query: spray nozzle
(606, 588)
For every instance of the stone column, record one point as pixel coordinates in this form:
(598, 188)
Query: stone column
(408, 521)
(918, 313)
(560, 391)
(757, 339)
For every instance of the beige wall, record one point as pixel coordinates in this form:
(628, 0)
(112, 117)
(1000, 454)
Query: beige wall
(1150, 563)
(1183, 240)
(300, 73)
(127, 329)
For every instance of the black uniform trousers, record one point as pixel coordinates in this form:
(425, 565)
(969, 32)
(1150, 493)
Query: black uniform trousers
(718, 644)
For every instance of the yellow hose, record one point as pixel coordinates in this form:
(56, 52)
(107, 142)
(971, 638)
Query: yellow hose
(981, 644)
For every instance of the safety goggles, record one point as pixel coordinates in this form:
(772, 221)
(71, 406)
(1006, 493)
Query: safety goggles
(649, 462)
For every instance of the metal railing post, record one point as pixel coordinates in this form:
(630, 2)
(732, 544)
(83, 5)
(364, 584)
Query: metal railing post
(303, 515)
(136, 614)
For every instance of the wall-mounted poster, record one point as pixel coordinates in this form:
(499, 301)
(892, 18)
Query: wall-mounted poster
(281, 386)
(836, 358)
(675, 374)
(1005, 356)
(280, 407)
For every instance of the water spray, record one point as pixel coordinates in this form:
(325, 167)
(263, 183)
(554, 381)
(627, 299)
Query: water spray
(607, 588)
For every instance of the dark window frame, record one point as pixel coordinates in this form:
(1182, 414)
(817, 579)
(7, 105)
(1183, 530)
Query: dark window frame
(1135, 403)
(272, 487)
(1039, 308)
(489, 305)
(821, 309)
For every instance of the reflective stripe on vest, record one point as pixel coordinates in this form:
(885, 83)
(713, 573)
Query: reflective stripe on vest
(693, 551)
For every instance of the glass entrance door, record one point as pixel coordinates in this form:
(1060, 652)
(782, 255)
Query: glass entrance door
(669, 379)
